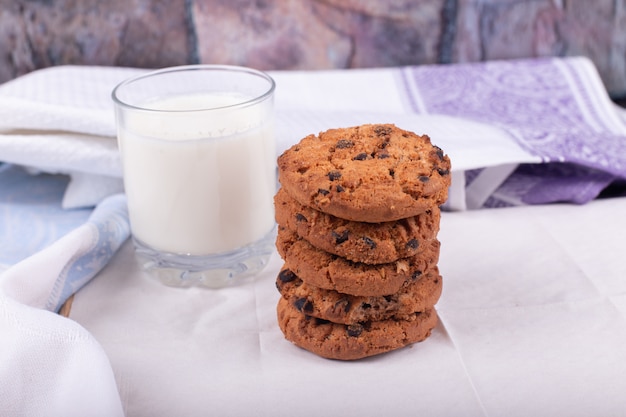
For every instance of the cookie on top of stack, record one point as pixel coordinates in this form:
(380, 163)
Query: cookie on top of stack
(358, 216)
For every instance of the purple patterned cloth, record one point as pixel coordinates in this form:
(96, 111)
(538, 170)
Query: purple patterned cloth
(556, 109)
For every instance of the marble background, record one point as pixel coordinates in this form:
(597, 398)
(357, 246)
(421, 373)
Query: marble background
(309, 34)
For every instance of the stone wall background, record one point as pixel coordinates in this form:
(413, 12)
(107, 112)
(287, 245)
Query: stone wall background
(309, 34)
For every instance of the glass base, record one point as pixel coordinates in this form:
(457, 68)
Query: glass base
(211, 271)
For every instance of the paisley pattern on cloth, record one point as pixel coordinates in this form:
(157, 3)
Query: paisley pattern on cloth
(556, 109)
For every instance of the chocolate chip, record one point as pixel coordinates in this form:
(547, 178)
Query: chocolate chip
(286, 275)
(340, 237)
(392, 173)
(319, 321)
(300, 217)
(443, 172)
(303, 305)
(334, 175)
(369, 242)
(354, 330)
(382, 155)
(344, 144)
(382, 130)
(360, 157)
(416, 275)
(343, 304)
(424, 178)
(413, 244)
(339, 189)
(366, 306)
(323, 191)
(439, 153)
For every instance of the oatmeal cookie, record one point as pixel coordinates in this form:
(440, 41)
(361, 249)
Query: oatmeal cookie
(371, 243)
(337, 307)
(355, 341)
(325, 270)
(369, 173)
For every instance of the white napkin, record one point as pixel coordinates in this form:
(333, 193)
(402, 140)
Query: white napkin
(51, 365)
(61, 120)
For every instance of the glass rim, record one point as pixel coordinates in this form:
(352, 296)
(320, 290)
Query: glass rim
(195, 67)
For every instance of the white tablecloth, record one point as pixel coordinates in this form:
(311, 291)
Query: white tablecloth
(532, 323)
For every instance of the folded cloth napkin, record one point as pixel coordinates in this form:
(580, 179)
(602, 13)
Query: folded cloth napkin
(50, 364)
(61, 120)
(555, 109)
(493, 118)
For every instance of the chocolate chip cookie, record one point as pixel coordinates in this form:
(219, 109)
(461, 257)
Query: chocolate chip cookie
(372, 243)
(325, 270)
(369, 173)
(354, 341)
(337, 307)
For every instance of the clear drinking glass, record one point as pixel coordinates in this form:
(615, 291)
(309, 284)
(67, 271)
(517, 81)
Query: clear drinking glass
(198, 154)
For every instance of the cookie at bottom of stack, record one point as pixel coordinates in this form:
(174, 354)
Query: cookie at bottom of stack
(356, 341)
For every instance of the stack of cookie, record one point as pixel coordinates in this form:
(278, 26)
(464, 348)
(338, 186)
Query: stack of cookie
(358, 216)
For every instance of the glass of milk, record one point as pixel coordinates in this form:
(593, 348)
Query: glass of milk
(198, 154)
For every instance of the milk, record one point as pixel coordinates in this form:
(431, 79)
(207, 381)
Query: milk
(199, 182)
